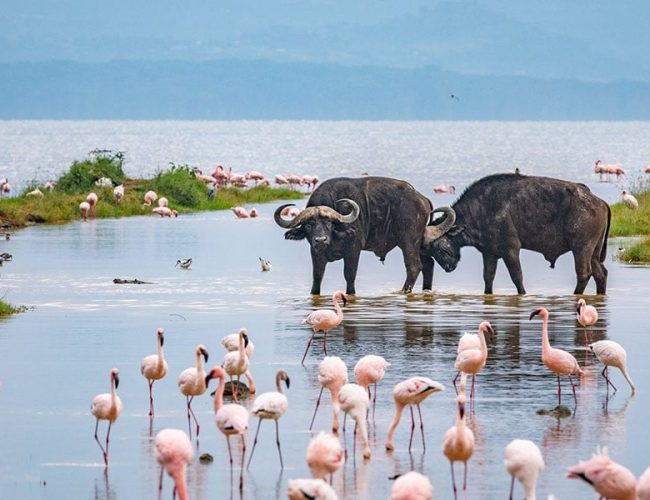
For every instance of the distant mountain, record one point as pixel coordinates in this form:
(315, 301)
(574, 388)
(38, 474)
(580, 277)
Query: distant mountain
(267, 90)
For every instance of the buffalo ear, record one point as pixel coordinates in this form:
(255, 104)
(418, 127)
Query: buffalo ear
(455, 230)
(297, 233)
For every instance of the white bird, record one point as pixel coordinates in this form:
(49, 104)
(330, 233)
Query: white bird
(84, 208)
(231, 343)
(611, 353)
(312, 489)
(154, 366)
(523, 462)
(184, 263)
(629, 200)
(265, 263)
(174, 452)
(235, 363)
(118, 193)
(191, 382)
(36, 192)
(271, 405)
(354, 400)
(412, 486)
(107, 406)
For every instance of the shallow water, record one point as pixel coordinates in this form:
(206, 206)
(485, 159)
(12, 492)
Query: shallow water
(57, 357)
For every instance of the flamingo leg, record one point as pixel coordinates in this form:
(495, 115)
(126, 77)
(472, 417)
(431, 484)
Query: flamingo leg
(325, 341)
(151, 398)
(316, 409)
(277, 440)
(512, 488)
(559, 392)
(454, 382)
(465, 478)
(243, 455)
(424, 446)
(453, 479)
(609, 382)
(573, 388)
(259, 423)
(412, 427)
(191, 412)
(374, 400)
(108, 433)
(229, 450)
(345, 417)
(99, 443)
(302, 362)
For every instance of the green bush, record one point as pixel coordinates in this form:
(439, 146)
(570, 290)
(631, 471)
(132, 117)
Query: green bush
(180, 186)
(81, 176)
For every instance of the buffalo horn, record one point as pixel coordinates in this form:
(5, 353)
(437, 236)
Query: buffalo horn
(319, 211)
(284, 222)
(435, 231)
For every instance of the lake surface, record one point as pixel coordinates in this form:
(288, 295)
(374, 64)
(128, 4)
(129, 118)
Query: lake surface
(57, 356)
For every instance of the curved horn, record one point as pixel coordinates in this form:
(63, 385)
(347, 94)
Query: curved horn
(435, 231)
(352, 216)
(286, 224)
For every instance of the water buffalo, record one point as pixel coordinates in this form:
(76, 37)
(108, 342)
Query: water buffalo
(381, 214)
(501, 214)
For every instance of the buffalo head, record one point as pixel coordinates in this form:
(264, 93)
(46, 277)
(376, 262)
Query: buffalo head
(317, 224)
(439, 239)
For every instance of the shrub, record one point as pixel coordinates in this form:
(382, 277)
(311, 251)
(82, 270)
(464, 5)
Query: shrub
(180, 186)
(81, 176)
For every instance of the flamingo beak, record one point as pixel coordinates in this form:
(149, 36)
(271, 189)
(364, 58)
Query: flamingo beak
(209, 377)
(162, 339)
(245, 340)
(534, 313)
(461, 409)
(117, 380)
(205, 355)
(288, 382)
(345, 300)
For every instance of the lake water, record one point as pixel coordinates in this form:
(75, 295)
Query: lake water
(57, 355)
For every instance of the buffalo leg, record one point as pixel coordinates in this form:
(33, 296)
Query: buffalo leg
(427, 272)
(318, 263)
(511, 260)
(583, 270)
(350, 265)
(600, 275)
(489, 270)
(413, 265)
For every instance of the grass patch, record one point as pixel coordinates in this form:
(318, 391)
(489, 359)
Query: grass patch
(628, 222)
(178, 184)
(639, 252)
(7, 309)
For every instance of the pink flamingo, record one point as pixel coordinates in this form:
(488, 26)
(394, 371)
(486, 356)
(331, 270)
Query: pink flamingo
(647, 169)
(255, 176)
(163, 202)
(294, 180)
(107, 406)
(411, 392)
(558, 361)
(611, 353)
(253, 213)
(324, 320)
(316, 489)
(84, 208)
(271, 405)
(154, 366)
(235, 363)
(444, 188)
(324, 455)
(264, 182)
(643, 486)
(150, 197)
(412, 486)
(458, 444)
(92, 200)
(232, 419)
(174, 452)
(165, 212)
(5, 187)
(191, 382)
(471, 360)
(240, 212)
(309, 180)
(609, 479)
(118, 193)
(231, 343)
(586, 316)
(354, 400)
(290, 211)
(370, 370)
(332, 374)
(523, 462)
(281, 180)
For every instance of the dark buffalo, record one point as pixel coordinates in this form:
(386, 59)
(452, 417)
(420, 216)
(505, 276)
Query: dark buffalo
(381, 214)
(501, 214)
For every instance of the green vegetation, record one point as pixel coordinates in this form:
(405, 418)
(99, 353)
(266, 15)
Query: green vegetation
(178, 184)
(628, 222)
(7, 309)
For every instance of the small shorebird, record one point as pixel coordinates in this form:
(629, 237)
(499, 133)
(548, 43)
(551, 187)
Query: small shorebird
(265, 263)
(184, 263)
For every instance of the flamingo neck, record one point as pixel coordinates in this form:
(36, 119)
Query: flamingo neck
(546, 345)
(242, 351)
(199, 366)
(113, 392)
(278, 383)
(218, 396)
(181, 485)
(337, 307)
(627, 377)
(483, 343)
(161, 355)
(529, 488)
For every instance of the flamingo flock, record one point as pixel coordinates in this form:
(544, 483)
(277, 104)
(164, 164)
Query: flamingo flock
(327, 452)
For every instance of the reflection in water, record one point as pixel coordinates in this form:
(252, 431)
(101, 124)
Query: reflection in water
(103, 489)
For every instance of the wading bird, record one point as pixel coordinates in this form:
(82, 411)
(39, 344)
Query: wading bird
(643, 486)
(310, 489)
(183, 263)
(586, 316)
(174, 452)
(324, 320)
(232, 419)
(611, 353)
(191, 382)
(524, 463)
(370, 370)
(84, 208)
(609, 479)
(332, 375)
(265, 264)
(271, 405)
(324, 455)
(150, 197)
(154, 366)
(412, 486)
(107, 406)
(558, 361)
(92, 200)
(629, 200)
(235, 363)
(118, 193)
(354, 401)
(470, 360)
(411, 392)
